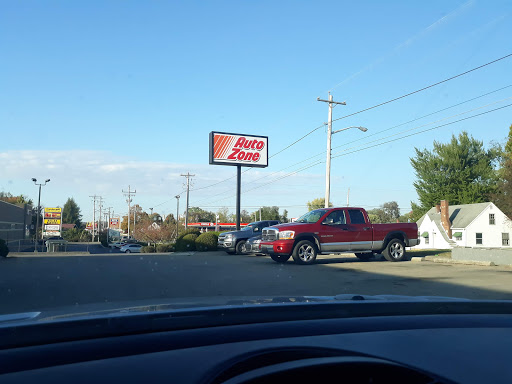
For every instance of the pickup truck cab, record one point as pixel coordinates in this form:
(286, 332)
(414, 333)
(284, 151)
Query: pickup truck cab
(337, 230)
(233, 242)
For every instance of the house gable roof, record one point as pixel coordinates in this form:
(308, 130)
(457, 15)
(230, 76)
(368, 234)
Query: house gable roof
(460, 215)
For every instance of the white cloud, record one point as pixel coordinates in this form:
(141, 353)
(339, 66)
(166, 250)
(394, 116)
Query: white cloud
(82, 173)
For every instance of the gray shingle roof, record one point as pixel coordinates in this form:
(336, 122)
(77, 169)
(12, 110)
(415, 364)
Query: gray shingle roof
(460, 215)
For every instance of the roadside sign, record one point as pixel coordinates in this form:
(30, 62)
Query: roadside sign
(52, 222)
(238, 149)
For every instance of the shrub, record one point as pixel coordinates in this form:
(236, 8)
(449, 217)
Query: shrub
(4, 249)
(187, 243)
(160, 248)
(148, 249)
(189, 231)
(207, 241)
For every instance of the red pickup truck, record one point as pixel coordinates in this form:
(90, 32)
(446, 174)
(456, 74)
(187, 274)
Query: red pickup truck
(337, 230)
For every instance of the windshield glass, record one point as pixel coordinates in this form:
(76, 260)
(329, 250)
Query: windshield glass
(135, 134)
(312, 217)
(250, 227)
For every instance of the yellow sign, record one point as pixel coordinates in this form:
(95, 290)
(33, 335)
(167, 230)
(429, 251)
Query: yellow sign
(53, 209)
(52, 221)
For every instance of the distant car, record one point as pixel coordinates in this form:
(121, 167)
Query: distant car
(117, 244)
(131, 248)
(253, 245)
(55, 238)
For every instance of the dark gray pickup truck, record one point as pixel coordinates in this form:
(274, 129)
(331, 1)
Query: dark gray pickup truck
(233, 242)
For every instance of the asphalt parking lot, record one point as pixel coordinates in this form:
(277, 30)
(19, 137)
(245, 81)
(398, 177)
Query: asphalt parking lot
(42, 282)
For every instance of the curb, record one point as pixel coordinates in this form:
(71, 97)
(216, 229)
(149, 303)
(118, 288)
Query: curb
(451, 261)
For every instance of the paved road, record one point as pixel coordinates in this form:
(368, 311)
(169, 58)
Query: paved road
(44, 283)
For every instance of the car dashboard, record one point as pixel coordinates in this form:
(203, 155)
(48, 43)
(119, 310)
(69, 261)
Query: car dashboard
(434, 343)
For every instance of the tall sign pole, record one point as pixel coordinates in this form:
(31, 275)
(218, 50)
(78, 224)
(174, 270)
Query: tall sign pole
(238, 193)
(240, 150)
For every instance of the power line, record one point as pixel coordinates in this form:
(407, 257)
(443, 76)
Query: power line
(425, 130)
(421, 117)
(424, 88)
(424, 125)
(432, 122)
(382, 143)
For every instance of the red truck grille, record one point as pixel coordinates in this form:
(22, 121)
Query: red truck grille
(269, 234)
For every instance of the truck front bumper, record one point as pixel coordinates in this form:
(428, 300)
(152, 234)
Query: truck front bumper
(278, 247)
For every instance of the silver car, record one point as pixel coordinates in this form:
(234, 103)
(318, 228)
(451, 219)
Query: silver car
(131, 248)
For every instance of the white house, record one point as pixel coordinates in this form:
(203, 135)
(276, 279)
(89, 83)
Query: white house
(468, 225)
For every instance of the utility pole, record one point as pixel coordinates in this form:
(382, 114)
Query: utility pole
(332, 104)
(348, 196)
(188, 176)
(177, 214)
(151, 209)
(129, 200)
(99, 221)
(260, 214)
(93, 216)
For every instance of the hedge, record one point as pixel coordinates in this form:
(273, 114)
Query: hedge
(207, 241)
(187, 243)
(161, 248)
(148, 249)
(4, 249)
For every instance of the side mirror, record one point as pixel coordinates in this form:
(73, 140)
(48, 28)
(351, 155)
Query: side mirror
(256, 229)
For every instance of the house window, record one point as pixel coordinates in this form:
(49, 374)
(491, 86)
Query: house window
(479, 238)
(426, 240)
(491, 219)
(504, 239)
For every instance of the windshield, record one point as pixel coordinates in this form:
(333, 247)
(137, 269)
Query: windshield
(312, 217)
(250, 227)
(135, 133)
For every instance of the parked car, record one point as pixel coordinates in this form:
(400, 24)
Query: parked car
(233, 242)
(117, 244)
(131, 248)
(337, 230)
(252, 245)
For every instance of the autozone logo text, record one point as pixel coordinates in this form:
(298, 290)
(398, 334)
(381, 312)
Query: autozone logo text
(227, 147)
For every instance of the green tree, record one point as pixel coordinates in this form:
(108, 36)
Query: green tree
(196, 214)
(503, 195)
(223, 214)
(461, 171)
(71, 213)
(284, 217)
(317, 203)
(18, 200)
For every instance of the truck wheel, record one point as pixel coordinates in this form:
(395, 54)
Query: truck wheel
(364, 256)
(304, 252)
(240, 246)
(280, 258)
(395, 250)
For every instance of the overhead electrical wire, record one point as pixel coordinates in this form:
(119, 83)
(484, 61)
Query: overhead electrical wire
(372, 146)
(424, 88)
(432, 122)
(367, 109)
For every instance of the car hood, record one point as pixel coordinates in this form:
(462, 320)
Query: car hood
(146, 306)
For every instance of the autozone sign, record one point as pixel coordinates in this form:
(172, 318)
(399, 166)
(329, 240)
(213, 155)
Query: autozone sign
(238, 149)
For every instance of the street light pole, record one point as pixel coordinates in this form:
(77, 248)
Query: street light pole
(38, 209)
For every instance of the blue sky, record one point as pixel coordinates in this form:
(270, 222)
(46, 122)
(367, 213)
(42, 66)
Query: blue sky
(99, 95)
